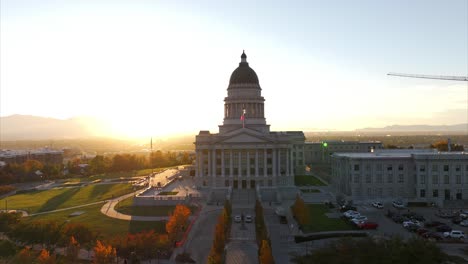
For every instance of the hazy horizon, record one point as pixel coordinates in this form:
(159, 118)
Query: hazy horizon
(159, 68)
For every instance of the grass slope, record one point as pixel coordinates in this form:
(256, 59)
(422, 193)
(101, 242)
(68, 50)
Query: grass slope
(42, 201)
(307, 180)
(105, 226)
(320, 222)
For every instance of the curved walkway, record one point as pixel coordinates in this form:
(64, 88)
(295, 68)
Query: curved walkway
(109, 210)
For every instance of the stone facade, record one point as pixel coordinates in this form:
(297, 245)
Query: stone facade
(409, 175)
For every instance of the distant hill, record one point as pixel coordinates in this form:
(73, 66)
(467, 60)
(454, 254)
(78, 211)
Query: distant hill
(418, 128)
(27, 127)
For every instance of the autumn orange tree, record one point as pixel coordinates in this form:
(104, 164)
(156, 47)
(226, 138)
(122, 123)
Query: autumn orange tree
(104, 254)
(301, 211)
(219, 241)
(266, 256)
(177, 221)
(45, 258)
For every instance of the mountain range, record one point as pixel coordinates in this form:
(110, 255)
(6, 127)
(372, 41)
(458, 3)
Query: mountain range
(28, 127)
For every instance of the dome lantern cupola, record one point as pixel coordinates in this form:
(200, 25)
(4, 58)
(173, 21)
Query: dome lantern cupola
(243, 74)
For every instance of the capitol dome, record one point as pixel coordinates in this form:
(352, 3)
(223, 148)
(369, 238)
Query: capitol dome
(243, 73)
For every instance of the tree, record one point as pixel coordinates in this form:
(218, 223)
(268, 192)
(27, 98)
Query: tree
(45, 258)
(214, 257)
(104, 254)
(177, 221)
(442, 145)
(32, 166)
(72, 250)
(220, 235)
(266, 256)
(25, 256)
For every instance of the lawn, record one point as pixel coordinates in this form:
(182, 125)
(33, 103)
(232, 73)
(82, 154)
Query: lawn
(105, 226)
(47, 200)
(320, 222)
(307, 180)
(126, 207)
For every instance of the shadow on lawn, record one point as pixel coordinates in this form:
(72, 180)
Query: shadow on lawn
(54, 202)
(99, 190)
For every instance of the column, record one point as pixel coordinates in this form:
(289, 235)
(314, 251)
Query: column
(197, 162)
(256, 163)
(209, 163)
(230, 163)
(273, 162)
(222, 162)
(287, 161)
(248, 163)
(265, 163)
(239, 170)
(213, 162)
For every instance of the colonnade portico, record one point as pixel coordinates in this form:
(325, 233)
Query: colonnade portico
(244, 166)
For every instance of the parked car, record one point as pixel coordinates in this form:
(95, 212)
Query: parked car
(412, 222)
(433, 235)
(368, 225)
(283, 220)
(433, 224)
(237, 218)
(444, 214)
(359, 219)
(248, 219)
(398, 204)
(464, 223)
(345, 208)
(421, 231)
(351, 214)
(411, 227)
(399, 219)
(457, 220)
(443, 228)
(455, 234)
(378, 205)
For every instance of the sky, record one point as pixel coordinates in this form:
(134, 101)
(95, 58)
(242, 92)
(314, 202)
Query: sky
(162, 67)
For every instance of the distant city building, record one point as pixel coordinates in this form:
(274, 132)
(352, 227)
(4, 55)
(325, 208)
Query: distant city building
(410, 175)
(45, 156)
(245, 153)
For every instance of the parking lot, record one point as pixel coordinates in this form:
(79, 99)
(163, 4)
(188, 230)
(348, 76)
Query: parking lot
(388, 227)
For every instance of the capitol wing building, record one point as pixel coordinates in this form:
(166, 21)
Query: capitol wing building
(245, 154)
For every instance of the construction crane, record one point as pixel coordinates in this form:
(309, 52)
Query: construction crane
(437, 77)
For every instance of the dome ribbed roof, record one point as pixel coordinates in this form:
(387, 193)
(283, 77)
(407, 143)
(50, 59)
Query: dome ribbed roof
(243, 73)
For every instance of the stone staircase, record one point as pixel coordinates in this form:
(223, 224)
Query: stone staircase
(243, 196)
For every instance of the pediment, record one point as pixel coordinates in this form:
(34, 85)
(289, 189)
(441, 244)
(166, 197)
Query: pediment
(245, 138)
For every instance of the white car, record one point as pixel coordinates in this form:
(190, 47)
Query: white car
(464, 223)
(412, 222)
(455, 234)
(351, 214)
(398, 204)
(378, 205)
(248, 219)
(359, 219)
(237, 218)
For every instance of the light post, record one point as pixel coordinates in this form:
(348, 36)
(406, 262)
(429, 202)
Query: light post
(6, 205)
